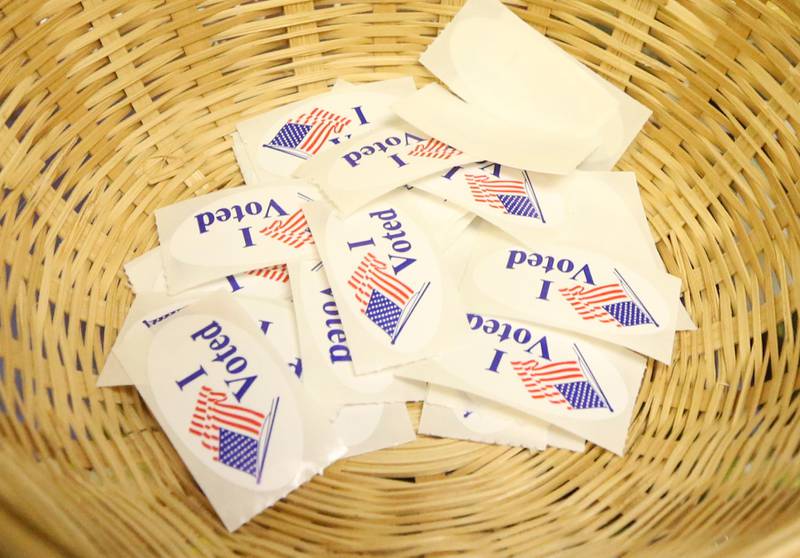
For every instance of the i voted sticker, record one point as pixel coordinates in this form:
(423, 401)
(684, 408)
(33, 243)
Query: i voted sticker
(228, 232)
(244, 226)
(580, 385)
(396, 301)
(393, 280)
(227, 403)
(548, 368)
(279, 140)
(586, 293)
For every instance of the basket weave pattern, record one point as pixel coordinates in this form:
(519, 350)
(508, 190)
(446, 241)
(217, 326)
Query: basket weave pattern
(110, 109)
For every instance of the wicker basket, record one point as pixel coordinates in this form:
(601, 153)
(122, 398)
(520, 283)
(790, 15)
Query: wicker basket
(115, 108)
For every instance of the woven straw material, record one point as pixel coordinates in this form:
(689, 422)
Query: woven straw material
(111, 109)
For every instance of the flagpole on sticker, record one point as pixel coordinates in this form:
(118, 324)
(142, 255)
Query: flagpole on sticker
(266, 435)
(408, 310)
(588, 372)
(632, 294)
(288, 151)
(532, 193)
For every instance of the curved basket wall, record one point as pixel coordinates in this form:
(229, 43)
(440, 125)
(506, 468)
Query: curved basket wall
(110, 109)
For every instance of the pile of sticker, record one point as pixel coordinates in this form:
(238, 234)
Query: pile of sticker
(388, 248)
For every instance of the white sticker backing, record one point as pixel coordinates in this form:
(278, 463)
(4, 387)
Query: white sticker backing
(455, 414)
(564, 111)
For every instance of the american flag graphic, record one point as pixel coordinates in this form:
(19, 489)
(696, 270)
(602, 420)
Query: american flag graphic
(236, 436)
(512, 197)
(560, 383)
(305, 135)
(434, 149)
(615, 303)
(292, 231)
(383, 298)
(277, 273)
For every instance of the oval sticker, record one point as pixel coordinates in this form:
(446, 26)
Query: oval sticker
(251, 226)
(392, 278)
(227, 400)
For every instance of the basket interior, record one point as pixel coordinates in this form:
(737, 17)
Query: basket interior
(113, 109)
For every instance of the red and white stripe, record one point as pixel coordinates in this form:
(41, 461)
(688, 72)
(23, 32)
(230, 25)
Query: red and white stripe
(372, 274)
(277, 273)
(212, 412)
(323, 123)
(485, 189)
(588, 303)
(434, 149)
(539, 379)
(293, 231)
